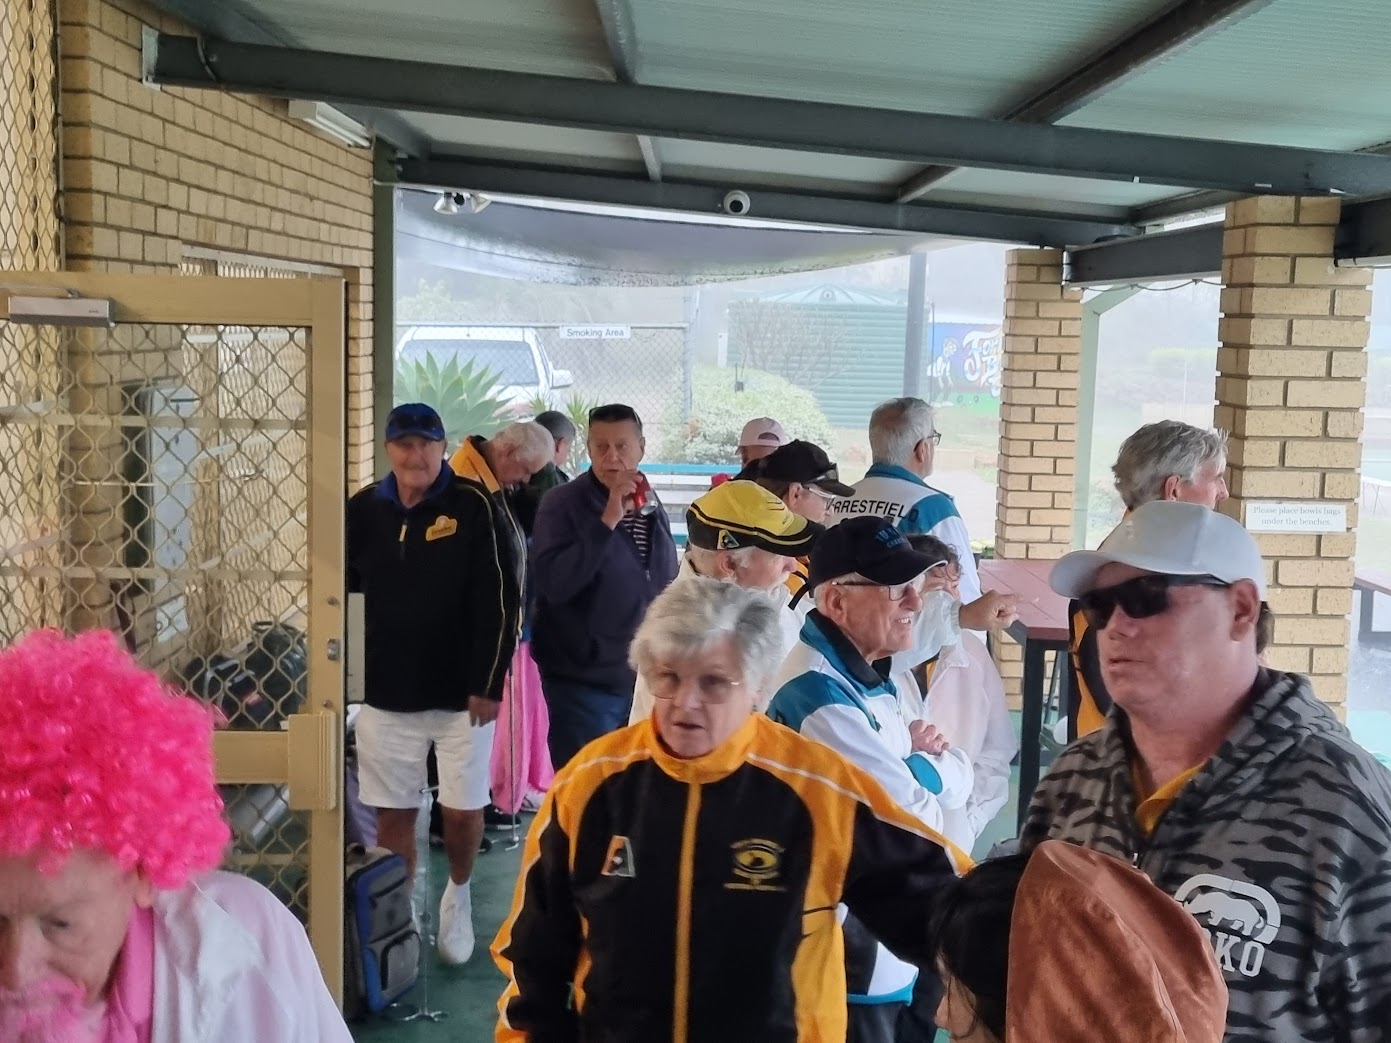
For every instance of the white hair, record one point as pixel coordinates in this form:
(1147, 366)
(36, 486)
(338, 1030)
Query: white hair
(529, 443)
(703, 558)
(1159, 451)
(696, 612)
(822, 588)
(896, 427)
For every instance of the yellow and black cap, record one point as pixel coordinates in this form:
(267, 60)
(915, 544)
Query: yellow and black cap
(742, 514)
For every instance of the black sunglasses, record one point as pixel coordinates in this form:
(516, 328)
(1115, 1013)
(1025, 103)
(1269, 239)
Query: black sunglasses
(1140, 598)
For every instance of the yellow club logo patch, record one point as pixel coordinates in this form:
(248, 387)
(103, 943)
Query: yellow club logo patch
(443, 526)
(757, 865)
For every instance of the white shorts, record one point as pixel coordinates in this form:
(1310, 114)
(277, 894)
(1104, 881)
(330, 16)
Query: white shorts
(391, 752)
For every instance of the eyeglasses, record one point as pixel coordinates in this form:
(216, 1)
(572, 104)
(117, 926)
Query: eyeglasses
(951, 573)
(1140, 598)
(821, 494)
(934, 439)
(897, 591)
(714, 688)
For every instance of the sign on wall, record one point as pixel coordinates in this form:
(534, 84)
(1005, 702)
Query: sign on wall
(596, 332)
(1276, 516)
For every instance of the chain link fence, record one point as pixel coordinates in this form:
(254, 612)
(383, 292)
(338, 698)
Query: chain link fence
(481, 376)
(153, 481)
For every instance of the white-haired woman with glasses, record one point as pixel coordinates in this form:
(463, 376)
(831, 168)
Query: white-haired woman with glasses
(681, 880)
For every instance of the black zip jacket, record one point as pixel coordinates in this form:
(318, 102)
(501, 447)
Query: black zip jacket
(442, 603)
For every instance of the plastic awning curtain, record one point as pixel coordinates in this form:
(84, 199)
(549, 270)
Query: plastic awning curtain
(546, 244)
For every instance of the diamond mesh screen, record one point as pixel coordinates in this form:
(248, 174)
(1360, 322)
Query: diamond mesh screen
(153, 482)
(28, 137)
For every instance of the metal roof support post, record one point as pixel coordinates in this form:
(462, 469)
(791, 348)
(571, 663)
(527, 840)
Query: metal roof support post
(913, 328)
(383, 298)
(1092, 311)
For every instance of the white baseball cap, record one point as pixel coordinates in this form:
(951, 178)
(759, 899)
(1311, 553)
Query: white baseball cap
(763, 431)
(1168, 537)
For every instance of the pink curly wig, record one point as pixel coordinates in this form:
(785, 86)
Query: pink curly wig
(96, 754)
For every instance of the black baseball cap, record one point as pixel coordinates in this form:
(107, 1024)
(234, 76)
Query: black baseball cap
(805, 463)
(414, 418)
(870, 546)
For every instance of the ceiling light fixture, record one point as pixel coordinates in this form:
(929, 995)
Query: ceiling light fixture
(447, 204)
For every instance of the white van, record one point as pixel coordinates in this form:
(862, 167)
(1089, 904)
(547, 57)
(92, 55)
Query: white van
(513, 352)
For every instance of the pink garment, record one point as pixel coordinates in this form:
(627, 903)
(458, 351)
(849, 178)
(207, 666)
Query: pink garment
(130, 1009)
(521, 762)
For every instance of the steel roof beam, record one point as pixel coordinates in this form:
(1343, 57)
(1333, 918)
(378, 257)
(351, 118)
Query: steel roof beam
(1172, 30)
(226, 20)
(780, 123)
(1188, 253)
(616, 16)
(766, 203)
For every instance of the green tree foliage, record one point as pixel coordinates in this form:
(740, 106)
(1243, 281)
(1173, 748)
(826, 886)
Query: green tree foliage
(462, 394)
(722, 404)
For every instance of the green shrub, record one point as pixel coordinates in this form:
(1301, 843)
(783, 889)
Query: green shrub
(461, 394)
(723, 403)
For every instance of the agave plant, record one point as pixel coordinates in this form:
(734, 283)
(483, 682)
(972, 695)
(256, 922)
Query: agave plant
(577, 408)
(461, 393)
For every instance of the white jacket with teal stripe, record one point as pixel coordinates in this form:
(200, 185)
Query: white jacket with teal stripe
(899, 495)
(832, 695)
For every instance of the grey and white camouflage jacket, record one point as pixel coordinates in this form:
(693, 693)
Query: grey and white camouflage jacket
(1279, 848)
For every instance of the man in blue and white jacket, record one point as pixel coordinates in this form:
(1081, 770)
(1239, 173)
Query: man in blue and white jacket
(868, 584)
(903, 439)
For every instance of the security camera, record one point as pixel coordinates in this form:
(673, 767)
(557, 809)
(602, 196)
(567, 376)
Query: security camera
(737, 203)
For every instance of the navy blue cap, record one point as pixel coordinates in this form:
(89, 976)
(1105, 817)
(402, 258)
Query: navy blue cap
(414, 418)
(870, 546)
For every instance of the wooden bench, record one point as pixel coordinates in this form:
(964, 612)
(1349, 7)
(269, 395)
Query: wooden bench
(1369, 583)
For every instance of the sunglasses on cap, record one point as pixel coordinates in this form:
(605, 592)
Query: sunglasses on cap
(1139, 598)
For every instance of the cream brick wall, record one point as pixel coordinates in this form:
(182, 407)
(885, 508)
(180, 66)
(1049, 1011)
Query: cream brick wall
(1040, 372)
(149, 178)
(148, 173)
(1291, 389)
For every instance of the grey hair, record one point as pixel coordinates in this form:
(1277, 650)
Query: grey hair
(896, 427)
(703, 558)
(529, 442)
(695, 612)
(561, 427)
(1154, 453)
(825, 585)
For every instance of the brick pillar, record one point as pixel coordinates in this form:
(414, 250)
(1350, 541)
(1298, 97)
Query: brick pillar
(1291, 386)
(1040, 372)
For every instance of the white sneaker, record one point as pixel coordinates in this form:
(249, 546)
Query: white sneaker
(455, 942)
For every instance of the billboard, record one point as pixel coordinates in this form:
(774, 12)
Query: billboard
(964, 359)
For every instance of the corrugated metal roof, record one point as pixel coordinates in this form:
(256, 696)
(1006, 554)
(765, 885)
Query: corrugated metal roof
(714, 161)
(527, 142)
(1312, 73)
(970, 58)
(560, 37)
(1009, 188)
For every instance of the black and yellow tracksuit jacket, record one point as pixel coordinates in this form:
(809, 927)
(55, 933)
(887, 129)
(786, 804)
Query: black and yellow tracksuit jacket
(695, 900)
(440, 580)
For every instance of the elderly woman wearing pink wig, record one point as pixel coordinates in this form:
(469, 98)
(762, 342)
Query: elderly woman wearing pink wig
(114, 925)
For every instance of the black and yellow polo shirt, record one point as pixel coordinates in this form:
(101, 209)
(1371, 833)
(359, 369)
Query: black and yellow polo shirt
(695, 900)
